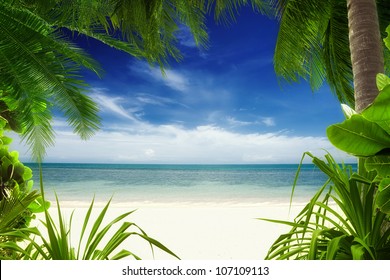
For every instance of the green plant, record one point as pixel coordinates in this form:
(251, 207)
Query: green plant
(341, 221)
(348, 217)
(96, 242)
(18, 202)
(367, 135)
(313, 43)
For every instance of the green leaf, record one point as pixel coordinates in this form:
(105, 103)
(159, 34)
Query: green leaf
(156, 243)
(39, 205)
(378, 111)
(383, 196)
(348, 111)
(365, 247)
(6, 164)
(382, 81)
(387, 39)
(358, 136)
(3, 123)
(357, 251)
(334, 246)
(384, 183)
(27, 174)
(381, 164)
(6, 140)
(313, 44)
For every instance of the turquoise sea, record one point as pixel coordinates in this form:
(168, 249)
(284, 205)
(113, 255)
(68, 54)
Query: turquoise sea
(162, 183)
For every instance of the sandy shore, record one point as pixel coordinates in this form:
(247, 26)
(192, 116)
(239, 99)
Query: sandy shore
(201, 231)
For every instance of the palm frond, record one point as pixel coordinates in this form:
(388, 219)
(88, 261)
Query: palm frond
(313, 44)
(145, 29)
(42, 71)
(13, 207)
(336, 54)
(226, 11)
(298, 48)
(152, 26)
(383, 7)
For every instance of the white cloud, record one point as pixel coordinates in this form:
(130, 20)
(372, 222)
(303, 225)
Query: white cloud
(112, 104)
(149, 153)
(234, 122)
(172, 78)
(175, 144)
(145, 99)
(268, 121)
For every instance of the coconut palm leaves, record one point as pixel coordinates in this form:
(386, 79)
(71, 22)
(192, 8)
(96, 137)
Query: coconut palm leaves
(40, 66)
(348, 218)
(39, 70)
(144, 29)
(313, 44)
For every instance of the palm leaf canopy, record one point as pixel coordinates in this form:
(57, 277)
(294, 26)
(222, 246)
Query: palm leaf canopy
(313, 43)
(39, 69)
(40, 66)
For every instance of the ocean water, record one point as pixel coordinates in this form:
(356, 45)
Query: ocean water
(77, 184)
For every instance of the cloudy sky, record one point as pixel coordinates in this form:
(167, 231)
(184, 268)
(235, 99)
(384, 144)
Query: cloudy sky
(223, 104)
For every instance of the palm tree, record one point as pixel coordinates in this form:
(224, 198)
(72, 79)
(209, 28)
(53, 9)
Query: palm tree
(340, 42)
(313, 43)
(366, 50)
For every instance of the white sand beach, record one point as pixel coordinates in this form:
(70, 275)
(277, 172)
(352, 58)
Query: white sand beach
(199, 231)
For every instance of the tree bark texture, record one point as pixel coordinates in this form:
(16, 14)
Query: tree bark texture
(366, 50)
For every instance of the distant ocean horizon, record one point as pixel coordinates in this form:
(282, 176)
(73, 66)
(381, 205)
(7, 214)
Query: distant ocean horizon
(130, 184)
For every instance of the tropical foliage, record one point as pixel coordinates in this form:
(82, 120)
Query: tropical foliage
(18, 202)
(39, 70)
(40, 66)
(40, 73)
(313, 44)
(368, 135)
(341, 221)
(349, 216)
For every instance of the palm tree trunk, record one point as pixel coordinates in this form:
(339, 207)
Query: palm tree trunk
(366, 50)
(367, 59)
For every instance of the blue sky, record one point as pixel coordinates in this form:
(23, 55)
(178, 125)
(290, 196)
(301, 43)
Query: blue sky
(223, 104)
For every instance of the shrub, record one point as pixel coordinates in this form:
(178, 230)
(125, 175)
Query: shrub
(18, 202)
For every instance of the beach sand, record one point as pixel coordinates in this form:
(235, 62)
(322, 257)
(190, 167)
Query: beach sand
(198, 231)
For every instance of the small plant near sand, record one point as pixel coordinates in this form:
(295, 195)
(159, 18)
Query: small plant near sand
(348, 218)
(96, 242)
